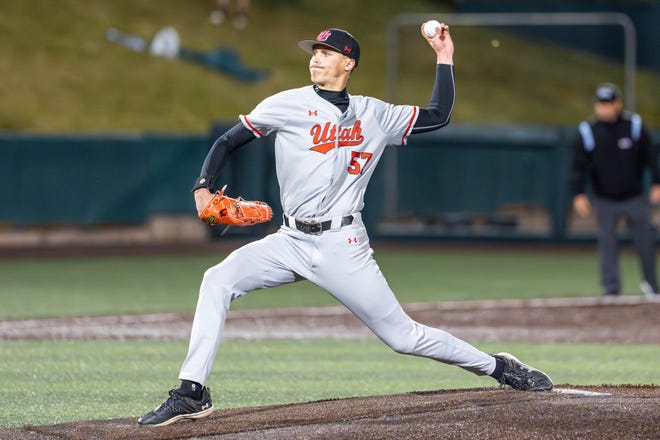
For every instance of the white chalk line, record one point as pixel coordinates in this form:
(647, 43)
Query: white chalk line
(579, 392)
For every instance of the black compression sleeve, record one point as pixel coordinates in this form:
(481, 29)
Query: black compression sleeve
(441, 104)
(651, 156)
(579, 165)
(235, 137)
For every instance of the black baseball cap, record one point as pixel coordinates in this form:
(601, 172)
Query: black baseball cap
(336, 39)
(607, 92)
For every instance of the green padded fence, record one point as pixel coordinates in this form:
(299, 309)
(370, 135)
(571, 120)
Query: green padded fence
(96, 178)
(90, 179)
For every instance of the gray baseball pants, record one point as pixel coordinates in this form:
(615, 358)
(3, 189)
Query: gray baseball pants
(637, 212)
(339, 261)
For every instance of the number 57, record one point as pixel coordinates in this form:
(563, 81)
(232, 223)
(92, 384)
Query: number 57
(359, 160)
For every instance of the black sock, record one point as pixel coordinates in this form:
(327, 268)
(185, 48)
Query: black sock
(191, 389)
(499, 366)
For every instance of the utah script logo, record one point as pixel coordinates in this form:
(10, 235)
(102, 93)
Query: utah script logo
(326, 136)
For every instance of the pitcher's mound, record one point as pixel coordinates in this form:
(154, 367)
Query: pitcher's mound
(568, 412)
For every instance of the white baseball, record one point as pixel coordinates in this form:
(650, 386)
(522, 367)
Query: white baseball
(430, 27)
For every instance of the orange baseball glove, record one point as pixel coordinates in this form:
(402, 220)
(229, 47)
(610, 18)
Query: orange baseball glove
(235, 212)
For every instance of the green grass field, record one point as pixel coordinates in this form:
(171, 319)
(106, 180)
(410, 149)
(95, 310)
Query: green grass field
(79, 380)
(138, 284)
(114, 379)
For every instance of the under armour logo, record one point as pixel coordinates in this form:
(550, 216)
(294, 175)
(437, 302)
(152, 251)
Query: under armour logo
(312, 112)
(347, 50)
(352, 240)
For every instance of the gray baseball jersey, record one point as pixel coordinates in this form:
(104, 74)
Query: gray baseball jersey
(324, 158)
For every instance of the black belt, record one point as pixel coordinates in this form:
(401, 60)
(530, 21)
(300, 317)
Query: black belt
(314, 227)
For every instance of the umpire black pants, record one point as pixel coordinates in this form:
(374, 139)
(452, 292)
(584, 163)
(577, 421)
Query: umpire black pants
(637, 212)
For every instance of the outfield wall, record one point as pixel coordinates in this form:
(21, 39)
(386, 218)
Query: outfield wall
(462, 181)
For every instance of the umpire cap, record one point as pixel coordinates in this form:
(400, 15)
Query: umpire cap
(607, 92)
(336, 39)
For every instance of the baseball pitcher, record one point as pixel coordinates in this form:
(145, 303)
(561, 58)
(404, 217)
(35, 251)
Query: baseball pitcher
(327, 145)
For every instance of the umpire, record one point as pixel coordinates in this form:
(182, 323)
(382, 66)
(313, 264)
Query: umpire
(612, 149)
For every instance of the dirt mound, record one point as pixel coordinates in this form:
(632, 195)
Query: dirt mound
(488, 413)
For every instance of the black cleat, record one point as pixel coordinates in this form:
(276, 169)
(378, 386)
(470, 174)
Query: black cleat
(178, 407)
(522, 377)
